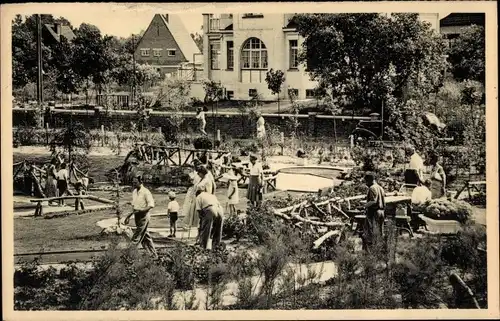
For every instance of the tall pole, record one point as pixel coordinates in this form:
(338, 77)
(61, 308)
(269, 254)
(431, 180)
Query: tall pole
(133, 65)
(39, 82)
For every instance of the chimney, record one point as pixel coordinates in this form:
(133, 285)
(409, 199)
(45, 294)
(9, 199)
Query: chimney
(166, 17)
(57, 28)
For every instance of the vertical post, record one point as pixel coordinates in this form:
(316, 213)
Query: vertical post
(382, 119)
(352, 140)
(133, 64)
(39, 82)
(47, 132)
(102, 134)
(282, 140)
(218, 135)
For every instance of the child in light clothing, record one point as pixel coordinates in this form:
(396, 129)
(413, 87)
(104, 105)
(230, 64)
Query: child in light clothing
(233, 193)
(173, 212)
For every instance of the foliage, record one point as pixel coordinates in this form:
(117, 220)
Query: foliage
(75, 139)
(274, 80)
(120, 279)
(213, 91)
(93, 56)
(467, 54)
(125, 73)
(198, 39)
(419, 273)
(443, 209)
(361, 73)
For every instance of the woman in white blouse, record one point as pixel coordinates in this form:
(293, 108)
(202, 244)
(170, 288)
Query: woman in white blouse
(191, 218)
(254, 193)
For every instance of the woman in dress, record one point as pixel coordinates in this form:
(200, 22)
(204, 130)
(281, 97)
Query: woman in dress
(256, 179)
(200, 115)
(191, 218)
(438, 178)
(51, 182)
(233, 194)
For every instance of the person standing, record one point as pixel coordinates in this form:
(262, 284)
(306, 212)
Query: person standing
(191, 218)
(211, 217)
(438, 178)
(51, 181)
(62, 182)
(207, 183)
(415, 173)
(374, 208)
(256, 179)
(142, 203)
(233, 194)
(200, 116)
(173, 213)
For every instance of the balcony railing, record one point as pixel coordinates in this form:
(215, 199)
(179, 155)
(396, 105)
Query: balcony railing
(214, 24)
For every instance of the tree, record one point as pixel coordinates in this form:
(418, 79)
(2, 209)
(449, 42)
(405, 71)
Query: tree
(359, 70)
(123, 72)
(275, 79)
(213, 93)
(93, 56)
(467, 55)
(198, 39)
(67, 80)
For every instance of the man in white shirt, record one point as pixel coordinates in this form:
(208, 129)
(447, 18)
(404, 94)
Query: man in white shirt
(416, 165)
(142, 203)
(211, 216)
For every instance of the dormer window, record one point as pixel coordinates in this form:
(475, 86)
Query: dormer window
(144, 52)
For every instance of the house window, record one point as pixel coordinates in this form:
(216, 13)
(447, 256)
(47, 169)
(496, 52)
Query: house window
(145, 52)
(252, 92)
(156, 52)
(294, 51)
(254, 54)
(230, 94)
(310, 93)
(214, 55)
(230, 55)
(292, 92)
(171, 52)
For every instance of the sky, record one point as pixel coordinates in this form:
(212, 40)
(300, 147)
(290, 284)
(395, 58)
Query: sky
(124, 19)
(117, 20)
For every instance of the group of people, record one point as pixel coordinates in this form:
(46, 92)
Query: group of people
(57, 179)
(425, 189)
(201, 208)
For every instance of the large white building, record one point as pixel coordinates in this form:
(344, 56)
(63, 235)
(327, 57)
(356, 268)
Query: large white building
(239, 49)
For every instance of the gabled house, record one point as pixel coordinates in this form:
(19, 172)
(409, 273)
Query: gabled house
(167, 45)
(58, 30)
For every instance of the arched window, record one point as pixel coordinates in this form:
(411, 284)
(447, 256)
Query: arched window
(253, 54)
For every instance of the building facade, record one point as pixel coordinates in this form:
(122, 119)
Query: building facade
(239, 49)
(167, 45)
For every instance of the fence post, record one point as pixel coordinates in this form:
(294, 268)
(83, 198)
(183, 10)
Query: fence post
(218, 135)
(102, 134)
(282, 140)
